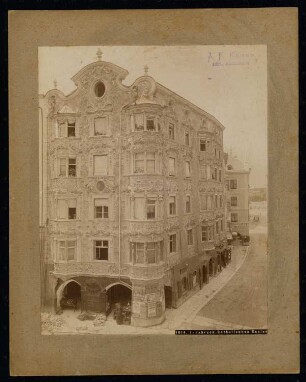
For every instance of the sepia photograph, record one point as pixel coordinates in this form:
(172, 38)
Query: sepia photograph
(153, 189)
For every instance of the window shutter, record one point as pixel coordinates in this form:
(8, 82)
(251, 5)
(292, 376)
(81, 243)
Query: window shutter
(139, 205)
(100, 126)
(100, 164)
(62, 209)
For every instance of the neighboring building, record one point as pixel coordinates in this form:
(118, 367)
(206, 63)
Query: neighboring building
(132, 194)
(237, 185)
(258, 194)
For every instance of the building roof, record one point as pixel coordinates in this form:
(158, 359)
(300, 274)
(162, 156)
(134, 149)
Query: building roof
(235, 165)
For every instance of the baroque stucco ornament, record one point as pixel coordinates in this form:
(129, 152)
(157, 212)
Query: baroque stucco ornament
(145, 87)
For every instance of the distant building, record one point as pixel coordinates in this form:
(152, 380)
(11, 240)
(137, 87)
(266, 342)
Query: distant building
(258, 194)
(132, 194)
(237, 184)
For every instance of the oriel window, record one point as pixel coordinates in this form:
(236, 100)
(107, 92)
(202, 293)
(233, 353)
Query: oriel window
(151, 209)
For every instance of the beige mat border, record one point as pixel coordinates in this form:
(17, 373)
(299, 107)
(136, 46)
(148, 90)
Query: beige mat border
(277, 352)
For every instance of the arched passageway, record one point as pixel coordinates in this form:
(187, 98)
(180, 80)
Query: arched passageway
(69, 295)
(119, 301)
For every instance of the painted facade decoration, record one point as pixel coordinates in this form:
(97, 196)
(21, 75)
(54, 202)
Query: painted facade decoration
(132, 194)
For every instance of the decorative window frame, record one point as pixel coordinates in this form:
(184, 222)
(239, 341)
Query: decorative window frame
(92, 125)
(62, 118)
(92, 244)
(146, 115)
(56, 168)
(66, 198)
(55, 249)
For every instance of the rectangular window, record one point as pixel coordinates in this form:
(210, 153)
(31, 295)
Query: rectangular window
(221, 225)
(66, 209)
(211, 233)
(139, 122)
(62, 251)
(234, 218)
(171, 131)
(101, 208)
(100, 165)
(203, 202)
(187, 138)
(151, 253)
(139, 207)
(220, 176)
(100, 126)
(216, 201)
(101, 249)
(71, 129)
(140, 253)
(189, 237)
(204, 145)
(66, 250)
(172, 243)
(62, 166)
(151, 124)
(144, 163)
(139, 163)
(150, 163)
(203, 172)
(221, 201)
(188, 204)
(71, 208)
(171, 166)
(70, 250)
(204, 233)
(62, 129)
(151, 209)
(187, 168)
(72, 167)
(208, 172)
(234, 201)
(210, 202)
(172, 205)
(217, 227)
(233, 184)
(216, 174)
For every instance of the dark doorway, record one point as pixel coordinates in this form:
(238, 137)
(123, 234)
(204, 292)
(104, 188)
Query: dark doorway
(205, 275)
(211, 268)
(119, 300)
(71, 297)
(168, 297)
(119, 294)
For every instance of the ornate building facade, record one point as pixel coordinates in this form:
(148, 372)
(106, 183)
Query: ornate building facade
(132, 194)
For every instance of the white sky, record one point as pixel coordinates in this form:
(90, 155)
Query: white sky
(235, 92)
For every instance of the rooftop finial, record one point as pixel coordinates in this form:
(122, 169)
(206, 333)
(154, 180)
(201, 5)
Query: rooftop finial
(146, 69)
(55, 84)
(99, 54)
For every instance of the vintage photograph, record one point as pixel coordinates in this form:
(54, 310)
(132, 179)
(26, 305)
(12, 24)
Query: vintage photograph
(153, 188)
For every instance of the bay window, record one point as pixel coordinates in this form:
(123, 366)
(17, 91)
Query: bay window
(67, 167)
(146, 253)
(65, 128)
(144, 208)
(145, 162)
(67, 209)
(145, 122)
(66, 250)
